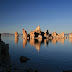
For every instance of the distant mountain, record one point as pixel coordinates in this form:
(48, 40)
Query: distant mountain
(5, 33)
(9, 34)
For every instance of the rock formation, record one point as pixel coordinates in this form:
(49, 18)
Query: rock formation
(38, 30)
(23, 59)
(38, 34)
(70, 35)
(0, 37)
(24, 34)
(46, 34)
(16, 34)
(57, 36)
(4, 57)
(53, 34)
(35, 33)
(62, 34)
(39, 37)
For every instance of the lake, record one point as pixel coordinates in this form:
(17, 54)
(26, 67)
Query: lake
(45, 55)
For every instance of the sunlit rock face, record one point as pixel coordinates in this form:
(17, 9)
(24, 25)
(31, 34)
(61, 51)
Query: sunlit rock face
(57, 36)
(53, 34)
(35, 33)
(62, 34)
(38, 30)
(16, 34)
(39, 37)
(70, 35)
(24, 34)
(46, 34)
(38, 33)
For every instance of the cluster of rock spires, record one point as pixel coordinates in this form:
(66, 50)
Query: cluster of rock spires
(38, 34)
(37, 37)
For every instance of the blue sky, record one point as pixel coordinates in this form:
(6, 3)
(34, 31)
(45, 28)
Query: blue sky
(52, 15)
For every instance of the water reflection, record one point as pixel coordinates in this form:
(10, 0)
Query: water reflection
(54, 41)
(54, 58)
(70, 40)
(16, 40)
(62, 41)
(37, 42)
(32, 42)
(38, 45)
(46, 42)
(24, 42)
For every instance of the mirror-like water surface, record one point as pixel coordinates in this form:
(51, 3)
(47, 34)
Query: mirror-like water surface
(45, 55)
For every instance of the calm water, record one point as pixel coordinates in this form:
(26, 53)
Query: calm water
(45, 55)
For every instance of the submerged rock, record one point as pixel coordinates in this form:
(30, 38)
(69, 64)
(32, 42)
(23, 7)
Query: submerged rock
(23, 59)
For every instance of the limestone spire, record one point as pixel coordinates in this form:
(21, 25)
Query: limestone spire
(38, 26)
(45, 31)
